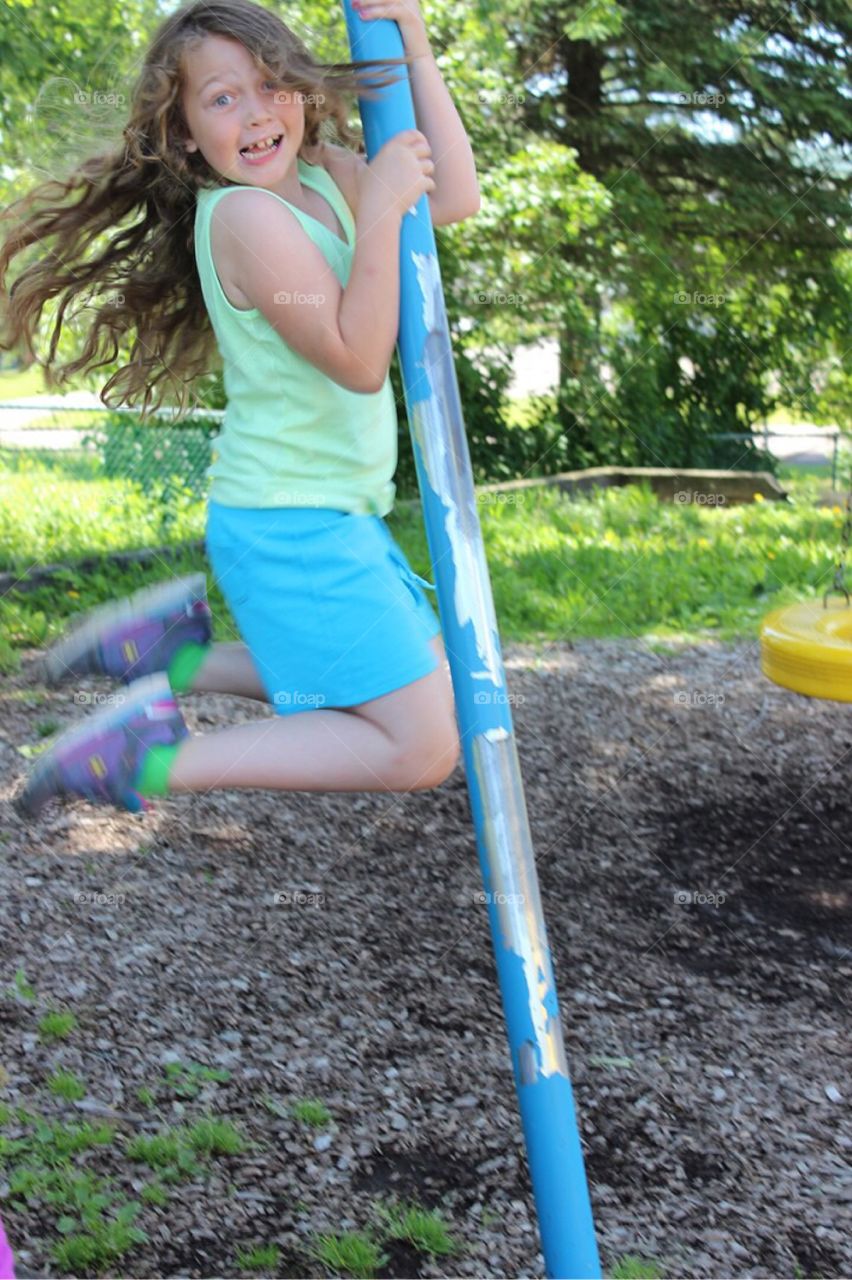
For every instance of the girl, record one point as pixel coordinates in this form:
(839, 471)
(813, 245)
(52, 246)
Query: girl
(288, 246)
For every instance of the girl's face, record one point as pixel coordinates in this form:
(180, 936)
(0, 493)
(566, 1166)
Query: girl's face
(229, 104)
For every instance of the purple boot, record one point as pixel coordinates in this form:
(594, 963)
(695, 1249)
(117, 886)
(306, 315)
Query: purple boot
(133, 637)
(100, 758)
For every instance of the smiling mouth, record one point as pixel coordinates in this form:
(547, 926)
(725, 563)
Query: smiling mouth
(264, 150)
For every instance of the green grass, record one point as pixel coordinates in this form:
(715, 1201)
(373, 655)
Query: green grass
(210, 1136)
(633, 1268)
(614, 563)
(21, 987)
(35, 618)
(260, 1257)
(95, 1241)
(44, 728)
(93, 1225)
(174, 1152)
(311, 1111)
(423, 1228)
(58, 507)
(158, 1151)
(15, 385)
(359, 1253)
(56, 1142)
(355, 1253)
(621, 563)
(57, 1024)
(87, 1221)
(784, 414)
(64, 1084)
(155, 1193)
(801, 475)
(186, 1079)
(167, 1153)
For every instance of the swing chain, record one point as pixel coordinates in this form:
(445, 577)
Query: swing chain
(839, 585)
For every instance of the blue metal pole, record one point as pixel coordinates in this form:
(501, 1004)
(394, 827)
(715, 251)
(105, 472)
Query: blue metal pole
(473, 649)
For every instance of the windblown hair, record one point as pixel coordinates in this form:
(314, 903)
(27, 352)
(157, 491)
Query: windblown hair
(147, 269)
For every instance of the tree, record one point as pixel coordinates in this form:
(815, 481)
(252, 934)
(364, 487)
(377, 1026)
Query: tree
(664, 189)
(721, 136)
(65, 67)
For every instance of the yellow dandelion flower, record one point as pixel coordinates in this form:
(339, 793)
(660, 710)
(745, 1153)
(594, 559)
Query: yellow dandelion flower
(75, 594)
(758, 497)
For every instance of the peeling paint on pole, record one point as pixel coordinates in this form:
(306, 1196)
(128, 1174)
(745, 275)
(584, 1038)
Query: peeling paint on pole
(439, 432)
(472, 644)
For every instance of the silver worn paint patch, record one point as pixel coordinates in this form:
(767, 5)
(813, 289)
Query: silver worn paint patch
(439, 431)
(515, 894)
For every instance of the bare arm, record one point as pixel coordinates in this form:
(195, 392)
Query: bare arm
(292, 286)
(456, 194)
(349, 334)
(369, 309)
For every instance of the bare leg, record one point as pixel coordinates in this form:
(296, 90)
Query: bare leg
(229, 668)
(405, 741)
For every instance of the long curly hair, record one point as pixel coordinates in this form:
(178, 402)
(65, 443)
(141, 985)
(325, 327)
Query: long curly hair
(147, 271)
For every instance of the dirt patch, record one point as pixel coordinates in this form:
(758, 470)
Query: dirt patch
(691, 824)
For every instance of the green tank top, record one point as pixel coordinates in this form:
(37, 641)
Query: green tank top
(291, 436)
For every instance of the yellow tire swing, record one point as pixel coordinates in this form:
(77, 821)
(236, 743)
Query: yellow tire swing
(807, 647)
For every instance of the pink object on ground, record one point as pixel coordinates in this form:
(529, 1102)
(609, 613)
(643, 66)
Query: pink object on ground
(7, 1266)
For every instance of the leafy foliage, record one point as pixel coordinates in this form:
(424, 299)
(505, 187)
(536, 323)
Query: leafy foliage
(665, 199)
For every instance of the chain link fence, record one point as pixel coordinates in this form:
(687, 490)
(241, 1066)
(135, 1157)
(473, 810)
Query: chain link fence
(81, 480)
(162, 457)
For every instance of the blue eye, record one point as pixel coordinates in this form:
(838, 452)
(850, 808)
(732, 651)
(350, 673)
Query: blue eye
(270, 84)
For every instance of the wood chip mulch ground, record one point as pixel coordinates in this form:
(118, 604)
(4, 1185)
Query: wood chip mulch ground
(692, 828)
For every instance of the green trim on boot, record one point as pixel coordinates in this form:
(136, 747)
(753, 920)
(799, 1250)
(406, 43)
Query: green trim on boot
(153, 776)
(185, 664)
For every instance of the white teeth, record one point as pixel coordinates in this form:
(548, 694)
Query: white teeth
(266, 145)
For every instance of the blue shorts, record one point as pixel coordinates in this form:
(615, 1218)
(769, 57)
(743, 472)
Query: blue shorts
(325, 600)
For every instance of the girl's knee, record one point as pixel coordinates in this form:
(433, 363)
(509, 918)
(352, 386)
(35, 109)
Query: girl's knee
(428, 762)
